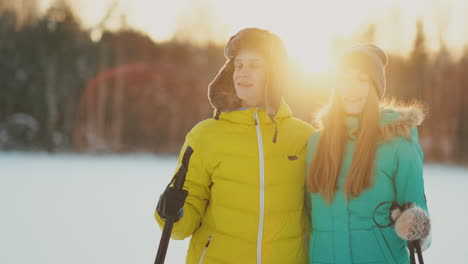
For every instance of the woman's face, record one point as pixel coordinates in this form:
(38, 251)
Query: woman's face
(353, 90)
(249, 78)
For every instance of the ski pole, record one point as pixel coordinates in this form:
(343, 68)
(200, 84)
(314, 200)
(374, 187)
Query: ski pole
(167, 230)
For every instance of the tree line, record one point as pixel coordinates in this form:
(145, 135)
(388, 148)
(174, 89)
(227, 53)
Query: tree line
(67, 88)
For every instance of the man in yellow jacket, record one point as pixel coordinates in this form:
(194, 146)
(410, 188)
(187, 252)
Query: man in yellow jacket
(243, 198)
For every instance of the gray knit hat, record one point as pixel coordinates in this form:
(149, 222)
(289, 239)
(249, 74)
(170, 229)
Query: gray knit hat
(370, 59)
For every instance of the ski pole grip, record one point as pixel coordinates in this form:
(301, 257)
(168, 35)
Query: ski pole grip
(182, 172)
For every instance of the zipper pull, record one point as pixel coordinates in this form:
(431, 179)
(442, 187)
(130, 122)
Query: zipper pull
(255, 116)
(208, 242)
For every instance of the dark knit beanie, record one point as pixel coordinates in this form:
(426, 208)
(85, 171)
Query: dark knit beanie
(369, 59)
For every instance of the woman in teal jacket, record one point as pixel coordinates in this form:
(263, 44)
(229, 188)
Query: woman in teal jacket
(365, 154)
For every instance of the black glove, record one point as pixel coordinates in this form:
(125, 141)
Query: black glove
(170, 204)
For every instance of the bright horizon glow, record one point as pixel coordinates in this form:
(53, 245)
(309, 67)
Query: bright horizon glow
(307, 27)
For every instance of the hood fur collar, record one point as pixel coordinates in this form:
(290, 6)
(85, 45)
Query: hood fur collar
(398, 121)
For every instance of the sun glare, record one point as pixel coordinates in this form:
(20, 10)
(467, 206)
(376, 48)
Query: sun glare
(307, 28)
(313, 57)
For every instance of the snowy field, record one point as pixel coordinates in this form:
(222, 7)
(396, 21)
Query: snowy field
(99, 209)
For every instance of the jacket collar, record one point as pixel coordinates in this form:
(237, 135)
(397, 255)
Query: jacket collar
(246, 115)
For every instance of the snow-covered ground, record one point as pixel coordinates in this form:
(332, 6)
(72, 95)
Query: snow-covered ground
(71, 209)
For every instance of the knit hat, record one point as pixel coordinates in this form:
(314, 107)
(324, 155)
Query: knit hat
(221, 92)
(370, 59)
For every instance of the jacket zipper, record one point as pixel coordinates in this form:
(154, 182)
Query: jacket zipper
(262, 189)
(204, 250)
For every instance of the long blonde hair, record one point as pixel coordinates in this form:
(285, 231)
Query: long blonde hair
(323, 173)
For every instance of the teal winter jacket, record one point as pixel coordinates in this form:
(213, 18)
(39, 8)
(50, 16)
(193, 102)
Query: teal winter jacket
(344, 231)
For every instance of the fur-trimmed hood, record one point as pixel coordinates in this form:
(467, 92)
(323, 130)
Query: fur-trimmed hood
(221, 92)
(395, 121)
(398, 121)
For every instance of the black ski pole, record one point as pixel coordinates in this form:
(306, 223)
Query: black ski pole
(419, 251)
(179, 184)
(411, 252)
(414, 248)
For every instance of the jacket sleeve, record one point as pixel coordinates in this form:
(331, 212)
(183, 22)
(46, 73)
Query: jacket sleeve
(197, 183)
(409, 182)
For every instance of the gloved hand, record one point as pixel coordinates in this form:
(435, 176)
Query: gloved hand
(171, 203)
(412, 223)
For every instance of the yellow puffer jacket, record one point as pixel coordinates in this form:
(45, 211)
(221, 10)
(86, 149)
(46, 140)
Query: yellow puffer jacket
(246, 193)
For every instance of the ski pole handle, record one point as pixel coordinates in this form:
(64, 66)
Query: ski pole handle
(182, 172)
(179, 184)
